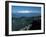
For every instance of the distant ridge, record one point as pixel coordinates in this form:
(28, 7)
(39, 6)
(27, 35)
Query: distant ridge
(26, 15)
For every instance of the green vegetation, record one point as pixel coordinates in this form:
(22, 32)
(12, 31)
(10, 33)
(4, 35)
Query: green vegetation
(21, 22)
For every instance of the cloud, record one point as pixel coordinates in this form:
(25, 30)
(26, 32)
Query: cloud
(24, 11)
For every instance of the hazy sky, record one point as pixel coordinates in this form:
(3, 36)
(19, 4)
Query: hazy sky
(25, 10)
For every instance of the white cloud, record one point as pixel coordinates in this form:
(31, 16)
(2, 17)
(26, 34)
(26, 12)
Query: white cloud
(26, 11)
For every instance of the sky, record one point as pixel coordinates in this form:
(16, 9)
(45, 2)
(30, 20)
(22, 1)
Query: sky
(26, 10)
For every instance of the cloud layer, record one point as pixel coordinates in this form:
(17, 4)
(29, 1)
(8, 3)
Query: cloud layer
(24, 11)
